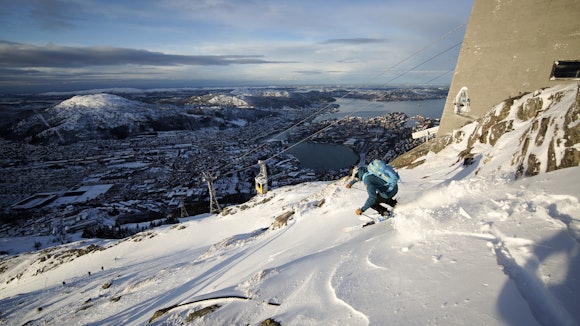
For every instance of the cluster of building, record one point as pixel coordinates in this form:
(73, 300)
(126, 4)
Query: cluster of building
(159, 174)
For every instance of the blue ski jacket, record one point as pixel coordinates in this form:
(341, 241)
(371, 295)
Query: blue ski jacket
(375, 187)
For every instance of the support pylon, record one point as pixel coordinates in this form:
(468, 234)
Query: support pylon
(214, 206)
(184, 212)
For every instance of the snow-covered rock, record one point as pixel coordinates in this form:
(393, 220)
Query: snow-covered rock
(228, 101)
(535, 133)
(261, 92)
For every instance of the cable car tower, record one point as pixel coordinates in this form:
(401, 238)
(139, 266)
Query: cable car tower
(184, 212)
(214, 206)
(261, 181)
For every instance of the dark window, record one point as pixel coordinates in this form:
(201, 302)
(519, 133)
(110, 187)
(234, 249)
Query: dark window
(566, 70)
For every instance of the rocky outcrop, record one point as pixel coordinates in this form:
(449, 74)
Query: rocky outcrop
(540, 131)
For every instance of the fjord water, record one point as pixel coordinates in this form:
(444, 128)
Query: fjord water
(370, 109)
(325, 157)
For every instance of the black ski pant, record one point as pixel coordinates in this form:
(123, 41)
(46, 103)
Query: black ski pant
(381, 200)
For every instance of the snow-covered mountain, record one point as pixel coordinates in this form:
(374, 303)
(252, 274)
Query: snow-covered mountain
(98, 116)
(93, 116)
(97, 112)
(106, 116)
(227, 101)
(468, 246)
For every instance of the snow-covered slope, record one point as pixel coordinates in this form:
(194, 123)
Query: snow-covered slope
(465, 248)
(535, 133)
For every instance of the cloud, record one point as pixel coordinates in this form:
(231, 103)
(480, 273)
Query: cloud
(354, 41)
(18, 55)
(21, 72)
(309, 72)
(253, 41)
(56, 14)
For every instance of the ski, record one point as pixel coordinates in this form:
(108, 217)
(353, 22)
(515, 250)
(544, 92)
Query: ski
(358, 226)
(372, 220)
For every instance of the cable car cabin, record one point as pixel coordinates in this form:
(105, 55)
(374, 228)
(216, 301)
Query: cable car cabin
(462, 102)
(261, 185)
(261, 181)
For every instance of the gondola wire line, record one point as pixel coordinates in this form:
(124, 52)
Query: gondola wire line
(437, 77)
(424, 62)
(351, 114)
(442, 37)
(363, 107)
(434, 42)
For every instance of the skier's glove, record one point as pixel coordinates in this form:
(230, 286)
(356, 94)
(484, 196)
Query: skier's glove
(358, 211)
(348, 185)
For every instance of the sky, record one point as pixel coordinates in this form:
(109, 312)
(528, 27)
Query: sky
(60, 44)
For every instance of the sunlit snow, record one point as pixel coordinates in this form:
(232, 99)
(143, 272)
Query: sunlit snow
(463, 249)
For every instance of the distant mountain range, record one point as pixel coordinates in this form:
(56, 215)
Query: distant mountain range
(107, 116)
(122, 113)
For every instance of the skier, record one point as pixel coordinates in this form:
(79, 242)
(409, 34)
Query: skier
(380, 189)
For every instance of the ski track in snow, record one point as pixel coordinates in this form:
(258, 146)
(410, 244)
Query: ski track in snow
(512, 252)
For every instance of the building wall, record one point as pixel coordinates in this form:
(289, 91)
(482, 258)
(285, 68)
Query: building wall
(509, 48)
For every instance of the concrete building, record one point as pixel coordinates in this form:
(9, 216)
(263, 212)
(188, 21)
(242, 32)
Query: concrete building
(512, 47)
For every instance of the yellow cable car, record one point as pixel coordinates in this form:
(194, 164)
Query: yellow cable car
(261, 181)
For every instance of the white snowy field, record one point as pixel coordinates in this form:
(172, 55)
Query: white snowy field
(460, 251)
(468, 246)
